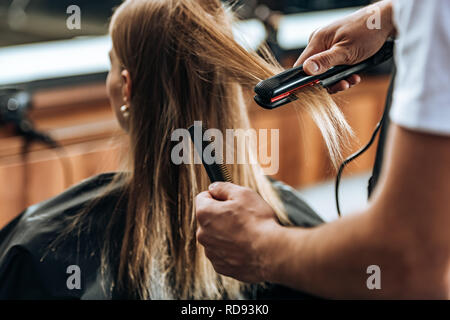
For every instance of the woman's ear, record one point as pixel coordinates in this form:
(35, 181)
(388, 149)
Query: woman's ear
(127, 85)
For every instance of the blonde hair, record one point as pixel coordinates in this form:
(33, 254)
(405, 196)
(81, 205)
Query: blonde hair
(185, 66)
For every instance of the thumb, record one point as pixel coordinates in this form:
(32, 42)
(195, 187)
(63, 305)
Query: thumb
(222, 190)
(321, 62)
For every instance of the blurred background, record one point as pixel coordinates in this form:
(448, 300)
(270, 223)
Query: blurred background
(62, 101)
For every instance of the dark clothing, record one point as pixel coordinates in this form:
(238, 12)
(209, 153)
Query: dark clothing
(29, 269)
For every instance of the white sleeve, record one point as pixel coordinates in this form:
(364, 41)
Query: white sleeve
(421, 98)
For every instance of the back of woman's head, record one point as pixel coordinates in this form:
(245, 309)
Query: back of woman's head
(185, 66)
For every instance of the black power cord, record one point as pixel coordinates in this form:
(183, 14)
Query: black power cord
(350, 159)
(381, 126)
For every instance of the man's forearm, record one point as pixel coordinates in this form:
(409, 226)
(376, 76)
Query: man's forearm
(404, 231)
(332, 260)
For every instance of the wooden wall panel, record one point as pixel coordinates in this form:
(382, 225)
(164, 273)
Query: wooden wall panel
(43, 175)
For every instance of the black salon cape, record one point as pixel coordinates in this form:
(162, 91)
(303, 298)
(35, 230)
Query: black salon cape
(29, 269)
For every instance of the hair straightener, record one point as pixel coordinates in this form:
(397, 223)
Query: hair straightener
(216, 172)
(280, 89)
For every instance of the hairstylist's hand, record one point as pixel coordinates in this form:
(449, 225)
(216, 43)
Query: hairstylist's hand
(236, 227)
(347, 41)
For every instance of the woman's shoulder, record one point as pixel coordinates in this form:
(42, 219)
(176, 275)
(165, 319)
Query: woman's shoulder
(298, 211)
(25, 242)
(66, 204)
(72, 199)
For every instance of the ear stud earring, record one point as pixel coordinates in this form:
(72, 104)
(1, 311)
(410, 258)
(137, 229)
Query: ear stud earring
(125, 111)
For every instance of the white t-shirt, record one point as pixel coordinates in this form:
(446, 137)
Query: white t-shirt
(421, 99)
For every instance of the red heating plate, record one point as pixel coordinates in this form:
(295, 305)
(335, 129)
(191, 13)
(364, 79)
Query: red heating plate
(287, 94)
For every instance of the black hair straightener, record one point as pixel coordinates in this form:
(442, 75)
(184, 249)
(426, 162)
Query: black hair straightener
(216, 172)
(280, 89)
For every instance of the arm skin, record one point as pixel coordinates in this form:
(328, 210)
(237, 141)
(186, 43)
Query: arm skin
(404, 230)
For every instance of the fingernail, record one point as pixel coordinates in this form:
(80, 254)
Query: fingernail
(213, 186)
(313, 67)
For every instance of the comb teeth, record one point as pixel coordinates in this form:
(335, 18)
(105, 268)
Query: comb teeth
(225, 173)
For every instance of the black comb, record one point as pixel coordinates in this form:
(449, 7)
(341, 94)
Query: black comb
(216, 172)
